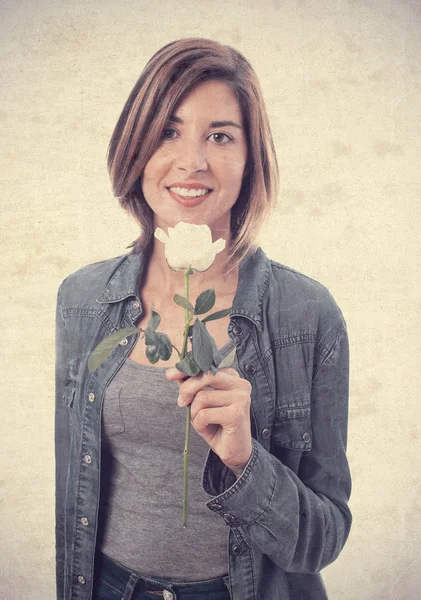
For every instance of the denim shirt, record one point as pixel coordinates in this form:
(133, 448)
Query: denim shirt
(287, 513)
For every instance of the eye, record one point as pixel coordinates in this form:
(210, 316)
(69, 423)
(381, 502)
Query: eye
(223, 134)
(163, 136)
(169, 130)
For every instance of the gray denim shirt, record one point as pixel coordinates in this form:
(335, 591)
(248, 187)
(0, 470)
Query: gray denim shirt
(288, 513)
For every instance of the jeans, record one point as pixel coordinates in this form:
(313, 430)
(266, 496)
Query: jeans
(113, 581)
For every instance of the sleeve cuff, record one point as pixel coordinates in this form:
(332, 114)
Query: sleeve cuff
(242, 500)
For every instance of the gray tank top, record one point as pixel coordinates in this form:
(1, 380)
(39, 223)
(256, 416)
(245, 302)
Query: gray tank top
(141, 503)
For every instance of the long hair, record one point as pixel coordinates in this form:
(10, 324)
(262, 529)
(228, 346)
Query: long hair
(168, 76)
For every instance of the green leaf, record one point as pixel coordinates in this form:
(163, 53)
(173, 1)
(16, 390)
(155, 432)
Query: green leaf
(217, 315)
(202, 346)
(229, 359)
(188, 365)
(150, 336)
(164, 346)
(152, 353)
(154, 320)
(181, 301)
(217, 356)
(107, 345)
(204, 302)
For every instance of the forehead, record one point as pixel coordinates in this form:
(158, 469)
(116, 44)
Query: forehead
(208, 98)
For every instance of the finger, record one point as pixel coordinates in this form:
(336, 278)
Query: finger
(238, 401)
(229, 370)
(225, 379)
(227, 417)
(207, 398)
(174, 374)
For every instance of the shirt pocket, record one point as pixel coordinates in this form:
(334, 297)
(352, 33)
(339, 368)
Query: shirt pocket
(112, 417)
(292, 424)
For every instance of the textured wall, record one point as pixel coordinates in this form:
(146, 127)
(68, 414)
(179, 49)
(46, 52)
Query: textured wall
(342, 85)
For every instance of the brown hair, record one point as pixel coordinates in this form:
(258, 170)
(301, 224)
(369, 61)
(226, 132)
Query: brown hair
(170, 74)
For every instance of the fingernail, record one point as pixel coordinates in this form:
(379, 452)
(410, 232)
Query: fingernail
(180, 401)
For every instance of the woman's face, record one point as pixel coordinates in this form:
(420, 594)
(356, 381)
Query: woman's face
(197, 147)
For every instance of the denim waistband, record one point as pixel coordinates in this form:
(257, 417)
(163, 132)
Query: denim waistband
(117, 575)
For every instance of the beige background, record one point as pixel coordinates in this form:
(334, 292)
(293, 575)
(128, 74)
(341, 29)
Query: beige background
(342, 85)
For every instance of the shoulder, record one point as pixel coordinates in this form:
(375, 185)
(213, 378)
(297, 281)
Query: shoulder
(86, 283)
(308, 299)
(292, 281)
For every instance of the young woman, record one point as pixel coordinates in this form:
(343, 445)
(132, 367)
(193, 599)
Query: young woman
(269, 481)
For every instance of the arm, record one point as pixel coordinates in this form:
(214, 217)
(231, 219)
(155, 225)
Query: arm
(300, 521)
(62, 444)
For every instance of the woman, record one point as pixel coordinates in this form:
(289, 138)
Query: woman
(269, 481)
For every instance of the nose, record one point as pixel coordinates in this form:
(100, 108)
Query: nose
(192, 156)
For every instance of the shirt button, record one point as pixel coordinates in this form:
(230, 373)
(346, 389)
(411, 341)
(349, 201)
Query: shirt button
(215, 506)
(168, 595)
(306, 437)
(81, 579)
(135, 304)
(250, 368)
(91, 397)
(84, 521)
(87, 458)
(237, 549)
(237, 330)
(265, 434)
(124, 342)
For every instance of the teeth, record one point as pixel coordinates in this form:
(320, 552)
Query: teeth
(185, 192)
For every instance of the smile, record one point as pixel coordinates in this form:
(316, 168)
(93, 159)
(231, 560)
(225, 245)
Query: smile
(188, 199)
(192, 193)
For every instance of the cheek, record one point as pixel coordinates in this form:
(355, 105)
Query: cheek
(233, 171)
(228, 164)
(156, 164)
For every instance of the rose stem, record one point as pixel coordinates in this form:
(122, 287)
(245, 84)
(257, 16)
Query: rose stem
(186, 444)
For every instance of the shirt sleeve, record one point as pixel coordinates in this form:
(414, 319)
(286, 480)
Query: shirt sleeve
(301, 521)
(61, 441)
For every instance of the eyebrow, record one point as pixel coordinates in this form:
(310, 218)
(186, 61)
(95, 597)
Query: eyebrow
(174, 119)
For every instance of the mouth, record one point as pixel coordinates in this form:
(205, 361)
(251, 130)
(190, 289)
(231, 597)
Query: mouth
(189, 200)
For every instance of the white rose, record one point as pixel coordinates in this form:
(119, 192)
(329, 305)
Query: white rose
(188, 245)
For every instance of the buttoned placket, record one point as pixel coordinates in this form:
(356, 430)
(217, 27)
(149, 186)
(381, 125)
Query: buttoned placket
(241, 335)
(237, 548)
(92, 420)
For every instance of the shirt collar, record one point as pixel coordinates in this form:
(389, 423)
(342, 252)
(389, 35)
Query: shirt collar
(253, 281)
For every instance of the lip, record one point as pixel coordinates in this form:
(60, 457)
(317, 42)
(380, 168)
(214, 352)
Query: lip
(189, 201)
